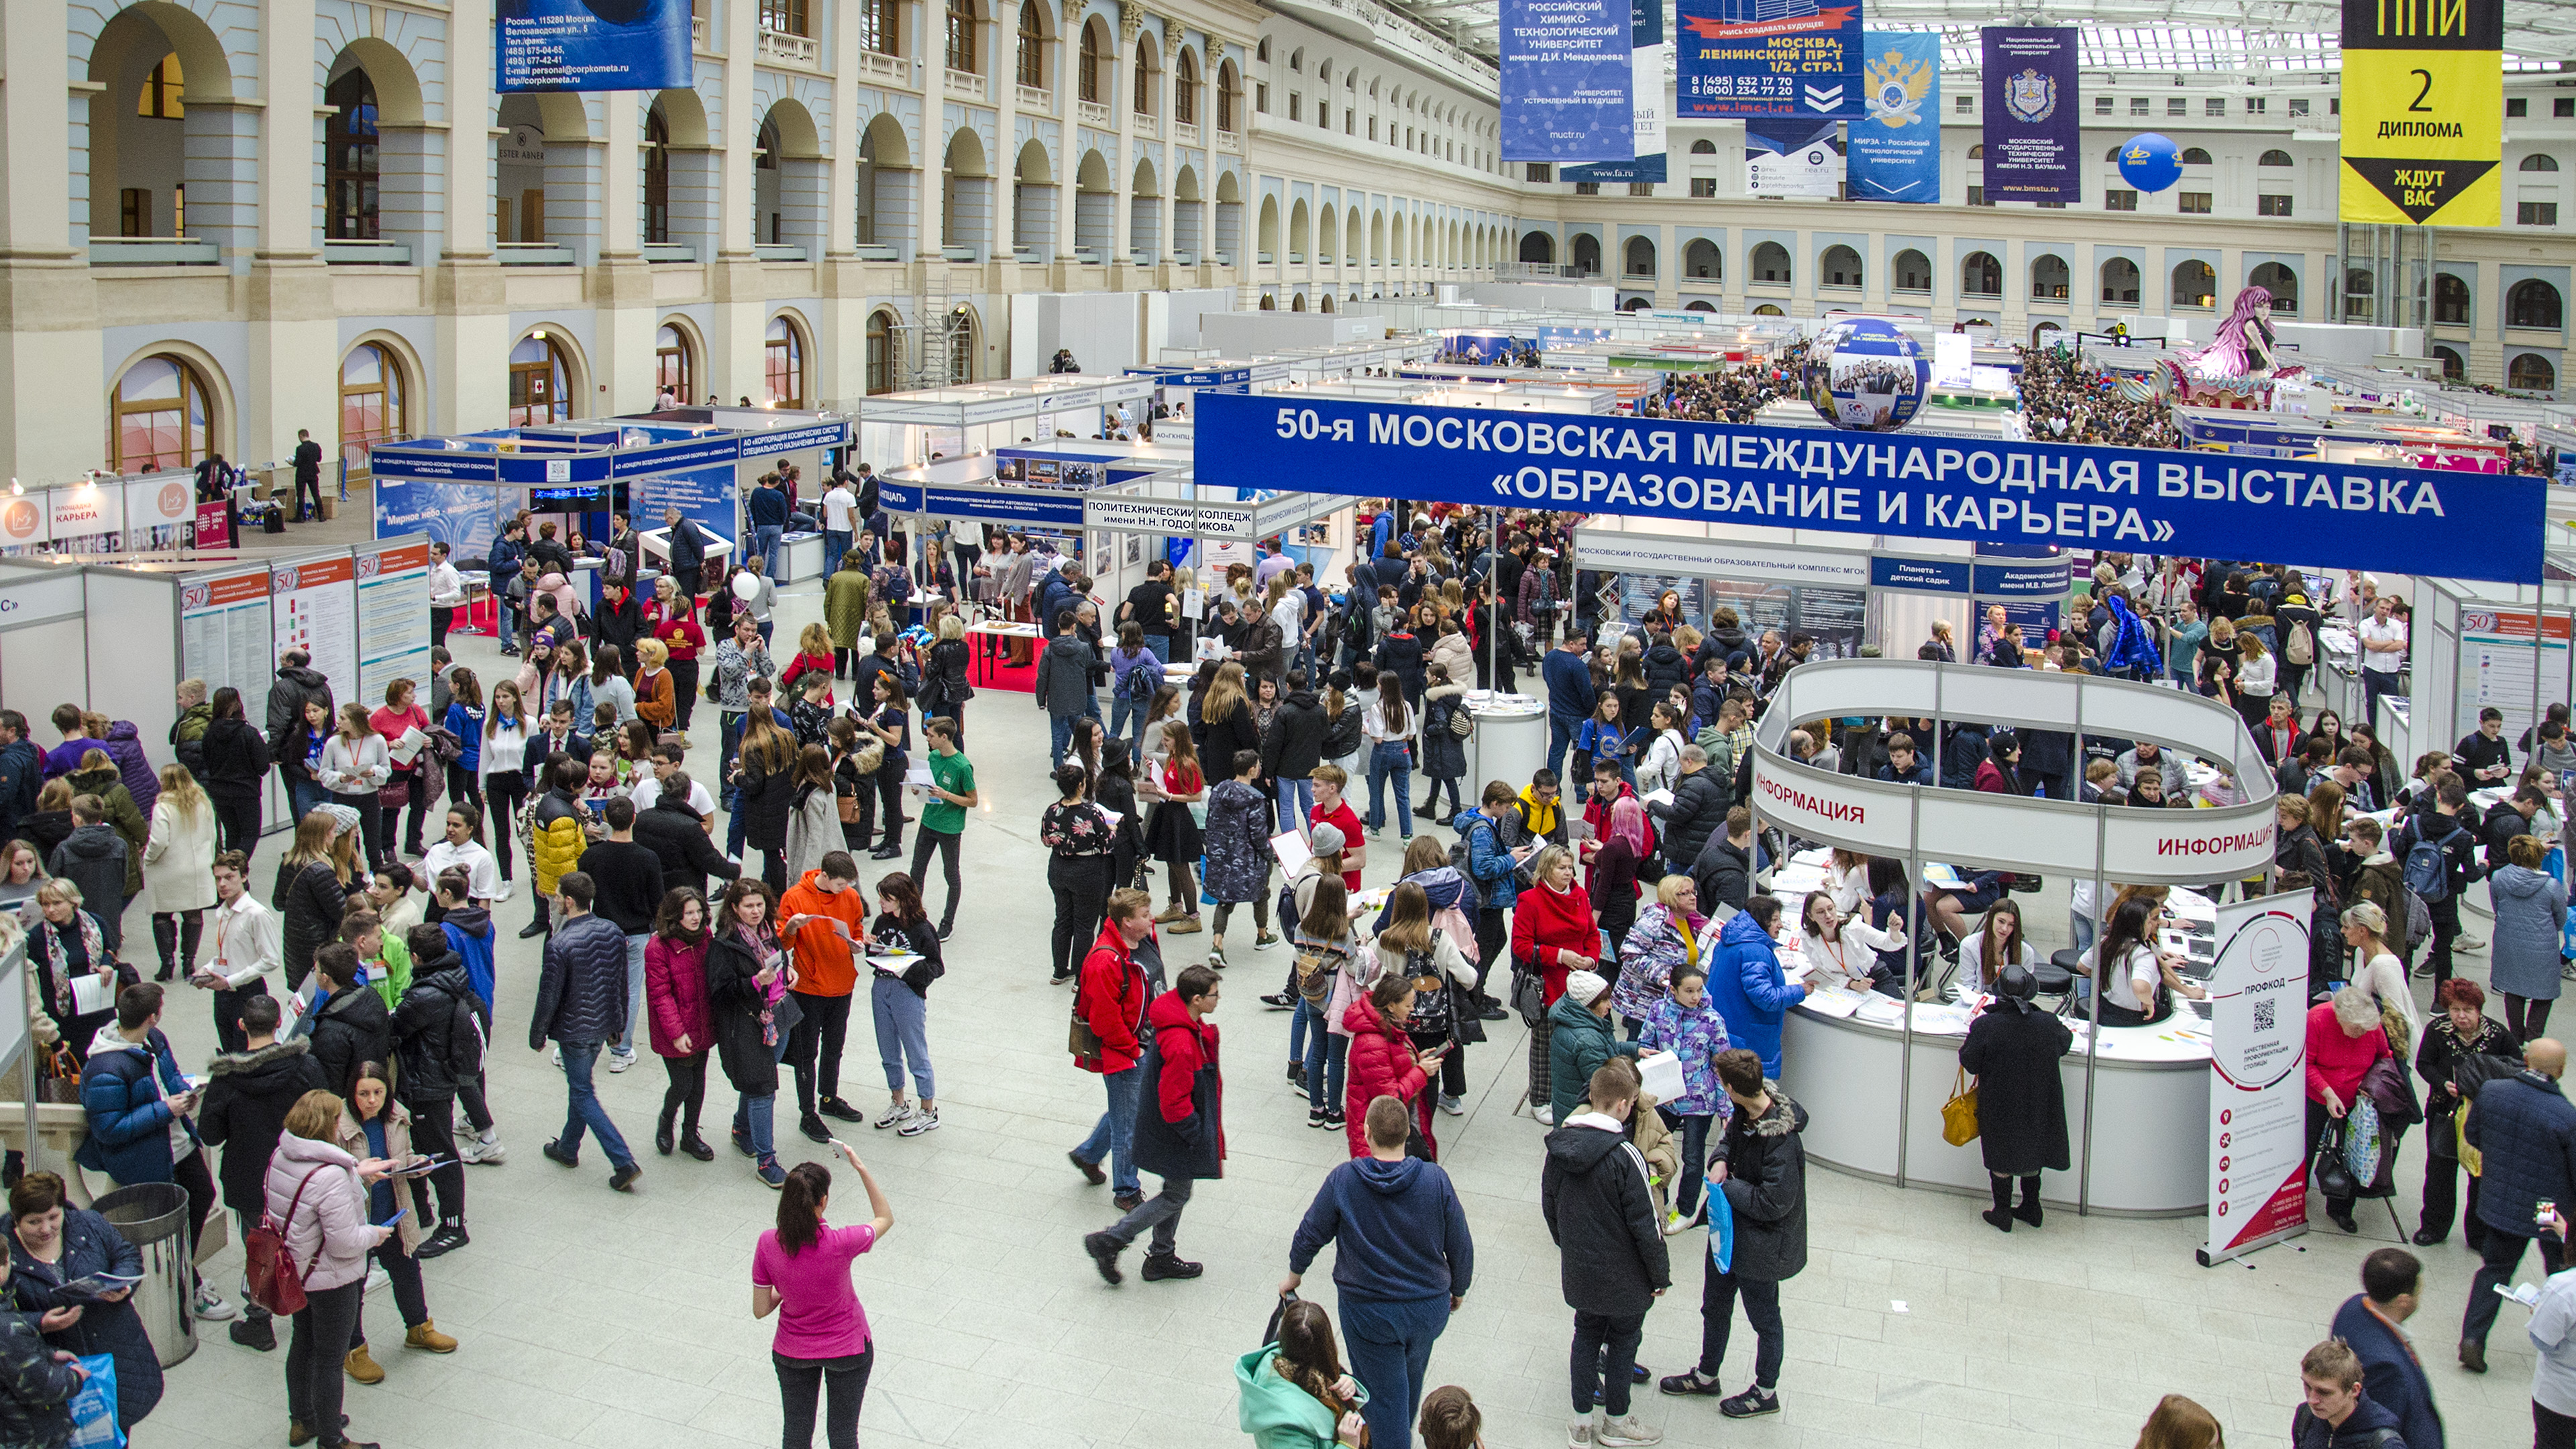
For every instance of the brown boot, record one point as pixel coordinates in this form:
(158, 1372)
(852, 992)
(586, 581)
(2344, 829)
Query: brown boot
(425, 1334)
(362, 1368)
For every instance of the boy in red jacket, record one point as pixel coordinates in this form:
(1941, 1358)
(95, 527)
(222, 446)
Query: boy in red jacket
(1110, 998)
(1180, 1133)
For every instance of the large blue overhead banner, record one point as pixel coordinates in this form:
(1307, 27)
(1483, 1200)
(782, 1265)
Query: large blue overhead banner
(1647, 56)
(1896, 145)
(2033, 135)
(2405, 520)
(1566, 82)
(592, 45)
(1768, 58)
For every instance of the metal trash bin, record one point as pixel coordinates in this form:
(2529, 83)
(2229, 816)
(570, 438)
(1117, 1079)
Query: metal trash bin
(153, 1216)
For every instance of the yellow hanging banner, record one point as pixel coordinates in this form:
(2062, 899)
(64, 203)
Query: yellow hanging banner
(2423, 112)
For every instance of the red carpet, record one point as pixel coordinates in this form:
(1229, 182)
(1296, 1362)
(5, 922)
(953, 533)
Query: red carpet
(998, 674)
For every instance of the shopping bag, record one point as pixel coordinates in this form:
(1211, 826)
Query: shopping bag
(93, 1408)
(2361, 1141)
(1721, 1228)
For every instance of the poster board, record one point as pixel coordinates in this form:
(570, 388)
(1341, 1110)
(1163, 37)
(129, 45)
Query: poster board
(2258, 1103)
(2496, 664)
(313, 606)
(392, 582)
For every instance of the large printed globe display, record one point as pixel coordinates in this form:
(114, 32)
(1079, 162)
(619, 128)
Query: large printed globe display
(1866, 374)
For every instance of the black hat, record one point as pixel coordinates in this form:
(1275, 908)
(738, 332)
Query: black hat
(2018, 983)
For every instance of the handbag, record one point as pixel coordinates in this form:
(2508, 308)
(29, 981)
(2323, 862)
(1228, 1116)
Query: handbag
(92, 1409)
(2334, 1178)
(60, 1078)
(1959, 1114)
(276, 1283)
(394, 794)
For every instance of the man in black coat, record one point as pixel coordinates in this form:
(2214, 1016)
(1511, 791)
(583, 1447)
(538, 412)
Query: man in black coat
(2392, 1280)
(582, 1006)
(626, 879)
(686, 553)
(307, 458)
(350, 1023)
(1180, 1127)
(248, 1094)
(1724, 867)
(1291, 749)
(1698, 809)
(1611, 1259)
(677, 835)
(618, 622)
(439, 1031)
(297, 681)
(2525, 1129)
(1761, 1166)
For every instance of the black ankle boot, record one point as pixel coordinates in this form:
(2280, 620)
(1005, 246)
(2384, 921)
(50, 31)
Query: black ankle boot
(2000, 1216)
(2029, 1210)
(662, 1140)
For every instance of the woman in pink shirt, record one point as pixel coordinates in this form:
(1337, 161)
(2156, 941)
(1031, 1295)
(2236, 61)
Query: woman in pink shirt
(2344, 1040)
(801, 1271)
(402, 713)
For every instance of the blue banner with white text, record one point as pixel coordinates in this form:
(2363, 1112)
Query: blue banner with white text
(1566, 81)
(1767, 58)
(592, 45)
(2033, 135)
(1647, 57)
(2406, 520)
(1895, 144)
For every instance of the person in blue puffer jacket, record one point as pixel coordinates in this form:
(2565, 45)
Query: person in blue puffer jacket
(1746, 982)
(139, 1106)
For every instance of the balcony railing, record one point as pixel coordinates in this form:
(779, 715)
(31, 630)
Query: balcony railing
(367, 253)
(669, 251)
(965, 85)
(778, 251)
(1037, 98)
(531, 254)
(875, 252)
(778, 45)
(1230, 141)
(1146, 123)
(698, 33)
(1092, 113)
(153, 251)
(888, 67)
(1185, 132)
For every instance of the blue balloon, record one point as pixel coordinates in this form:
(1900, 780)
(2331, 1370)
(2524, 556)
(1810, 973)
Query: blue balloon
(2150, 162)
(1867, 375)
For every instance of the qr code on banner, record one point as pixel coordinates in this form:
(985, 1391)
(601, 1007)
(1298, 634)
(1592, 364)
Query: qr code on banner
(2263, 1014)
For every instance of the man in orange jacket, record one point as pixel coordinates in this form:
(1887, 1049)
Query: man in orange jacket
(1110, 1000)
(826, 914)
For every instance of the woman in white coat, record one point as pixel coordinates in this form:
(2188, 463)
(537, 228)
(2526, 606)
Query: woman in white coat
(1846, 951)
(179, 870)
(318, 1191)
(355, 765)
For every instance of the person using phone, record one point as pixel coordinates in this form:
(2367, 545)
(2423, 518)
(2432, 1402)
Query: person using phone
(373, 1126)
(1385, 1062)
(140, 1107)
(317, 1194)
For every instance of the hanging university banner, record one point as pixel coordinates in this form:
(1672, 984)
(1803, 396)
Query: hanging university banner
(2468, 525)
(1790, 156)
(1896, 143)
(2423, 112)
(1648, 54)
(593, 45)
(1566, 82)
(2033, 136)
(1768, 58)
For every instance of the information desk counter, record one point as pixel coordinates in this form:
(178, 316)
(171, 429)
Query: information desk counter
(1510, 743)
(2150, 1118)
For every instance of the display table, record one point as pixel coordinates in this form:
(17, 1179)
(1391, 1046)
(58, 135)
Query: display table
(999, 630)
(1510, 743)
(800, 557)
(2150, 1112)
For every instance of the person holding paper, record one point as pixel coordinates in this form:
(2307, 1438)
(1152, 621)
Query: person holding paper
(355, 766)
(405, 725)
(139, 1106)
(951, 787)
(1079, 837)
(373, 1126)
(1684, 1022)
(824, 922)
(76, 973)
(907, 959)
(52, 1243)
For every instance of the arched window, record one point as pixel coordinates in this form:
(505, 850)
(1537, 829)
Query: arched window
(1641, 257)
(2538, 161)
(880, 353)
(1913, 271)
(2532, 303)
(674, 364)
(1090, 81)
(2276, 158)
(2450, 299)
(782, 370)
(2120, 281)
(1229, 96)
(961, 345)
(2195, 284)
(1980, 275)
(1262, 51)
(2454, 369)
(1297, 60)
(657, 176)
(2194, 156)
(159, 418)
(2282, 283)
(1538, 247)
(1145, 71)
(1768, 309)
(961, 35)
(540, 383)
(1838, 267)
(349, 159)
(2358, 287)
(1771, 263)
(2111, 157)
(1702, 305)
(2531, 372)
(1703, 147)
(1032, 62)
(1587, 254)
(2049, 280)
(1701, 260)
(1185, 89)
(1977, 152)
(371, 402)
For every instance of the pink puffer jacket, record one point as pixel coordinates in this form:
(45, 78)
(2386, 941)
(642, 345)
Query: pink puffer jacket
(329, 1233)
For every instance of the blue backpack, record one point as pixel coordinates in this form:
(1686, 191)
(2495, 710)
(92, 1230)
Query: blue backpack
(2428, 870)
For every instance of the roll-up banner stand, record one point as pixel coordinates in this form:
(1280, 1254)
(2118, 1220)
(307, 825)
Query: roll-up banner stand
(2258, 1052)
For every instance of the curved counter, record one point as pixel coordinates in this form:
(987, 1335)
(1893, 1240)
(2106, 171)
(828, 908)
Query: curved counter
(1510, 741)
(2150, 1107)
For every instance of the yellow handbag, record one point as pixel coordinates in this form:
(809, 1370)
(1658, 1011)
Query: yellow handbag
(1959, 1114)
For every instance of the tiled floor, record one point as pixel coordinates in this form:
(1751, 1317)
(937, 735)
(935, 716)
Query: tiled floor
(593, 1318)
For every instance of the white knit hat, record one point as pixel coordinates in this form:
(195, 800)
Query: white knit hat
(1584, 986)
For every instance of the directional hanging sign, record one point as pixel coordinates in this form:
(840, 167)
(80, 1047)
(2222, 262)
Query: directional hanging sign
(2423, 112)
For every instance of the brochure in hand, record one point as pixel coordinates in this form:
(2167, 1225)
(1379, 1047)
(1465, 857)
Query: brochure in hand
(95, 1287)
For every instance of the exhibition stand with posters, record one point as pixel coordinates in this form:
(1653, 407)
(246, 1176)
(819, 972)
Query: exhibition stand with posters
(1862, 1066)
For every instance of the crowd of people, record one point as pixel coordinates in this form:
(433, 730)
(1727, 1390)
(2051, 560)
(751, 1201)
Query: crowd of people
(2063, 401)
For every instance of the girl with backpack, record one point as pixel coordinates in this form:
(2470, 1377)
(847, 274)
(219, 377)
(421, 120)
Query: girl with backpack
(1327, 953)
(1135, 673)
(1442, 981)
(899, 1002)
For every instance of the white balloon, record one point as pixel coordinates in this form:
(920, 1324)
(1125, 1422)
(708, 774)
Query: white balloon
(746, 587)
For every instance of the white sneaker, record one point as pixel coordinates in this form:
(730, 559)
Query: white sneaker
(919, 1123)
(1616, 1433)
(376, 1279)
(212, 1305)
(1578, 1435)
(1545, 1114)
(894, 1116)
(618, 1063)
(509, 891)
(485, 1150)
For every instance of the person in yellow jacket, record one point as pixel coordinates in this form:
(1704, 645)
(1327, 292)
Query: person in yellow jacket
(555, 837)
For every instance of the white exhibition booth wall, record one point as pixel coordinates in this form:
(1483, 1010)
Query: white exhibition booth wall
(1107, 332)
(102, 515)
(118, 637)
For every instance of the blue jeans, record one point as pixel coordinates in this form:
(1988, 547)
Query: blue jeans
(304, 796)
(1114, 1135)
(835, 544)
(1059, 737)
(1561, 730)
(634, 994)
(1127, 717)
(583, 1109)
(764, 542)
(1296, 798)
(757, 1119)
(1161, 644)
(1390, 1347)
(1694, 1130)
(902, 1021)
(1390, 759)
(1327, 1057)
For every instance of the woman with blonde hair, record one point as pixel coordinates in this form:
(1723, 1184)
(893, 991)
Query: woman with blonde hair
(657, 694)
(944, 690)
(2257, 673)
(355, 765)
(179, 870)
(1226, 722)
(312, 892)
(1408, 943)
(316, 1190)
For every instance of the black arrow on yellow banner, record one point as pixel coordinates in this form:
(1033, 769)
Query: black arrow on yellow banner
(2416, 187)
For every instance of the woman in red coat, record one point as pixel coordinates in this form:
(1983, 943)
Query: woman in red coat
(1553, 931)
(1384, 1061)
(681, 1029)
